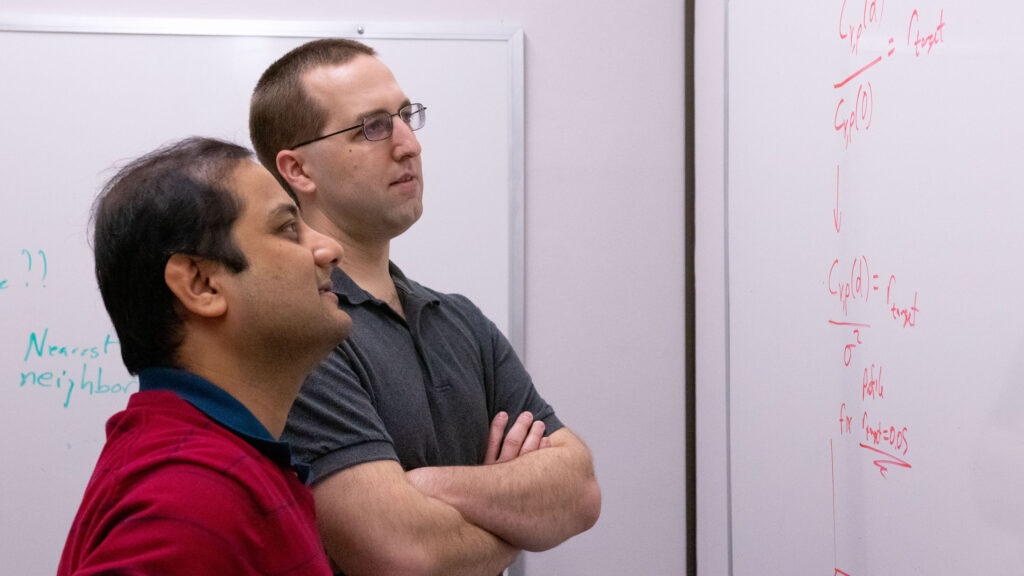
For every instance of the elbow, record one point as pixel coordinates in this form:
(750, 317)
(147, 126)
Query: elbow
(583, 517)
(588, 500)
(587, 494)
(590, 505)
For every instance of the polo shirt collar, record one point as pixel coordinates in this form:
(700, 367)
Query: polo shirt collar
(346, 288)
(224, 409)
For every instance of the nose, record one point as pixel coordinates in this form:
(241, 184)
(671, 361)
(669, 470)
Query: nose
(405, 143)
(326, 251)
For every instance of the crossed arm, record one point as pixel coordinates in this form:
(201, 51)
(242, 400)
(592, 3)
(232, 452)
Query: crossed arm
(532, 493)
(533, 502)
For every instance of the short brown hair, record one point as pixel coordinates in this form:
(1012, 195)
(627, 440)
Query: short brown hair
(281, 113)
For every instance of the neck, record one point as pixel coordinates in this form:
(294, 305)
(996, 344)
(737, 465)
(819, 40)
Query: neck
(369, 269)
(373, 275)
(265, 385)
(364, 259)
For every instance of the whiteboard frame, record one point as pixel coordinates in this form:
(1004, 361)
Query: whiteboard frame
(510, 36)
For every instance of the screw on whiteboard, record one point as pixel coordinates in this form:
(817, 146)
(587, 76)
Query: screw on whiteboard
(360, 30)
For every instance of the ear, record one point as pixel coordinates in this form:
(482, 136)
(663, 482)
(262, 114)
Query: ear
(195, 282)
(292, 167)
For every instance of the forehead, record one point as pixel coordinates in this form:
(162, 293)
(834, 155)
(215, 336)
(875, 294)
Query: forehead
(354, 89)
(259, 194)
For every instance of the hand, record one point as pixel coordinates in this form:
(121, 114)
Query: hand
(524, 437)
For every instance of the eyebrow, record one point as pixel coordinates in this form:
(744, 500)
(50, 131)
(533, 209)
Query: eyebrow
(404, 103)
(284, 208)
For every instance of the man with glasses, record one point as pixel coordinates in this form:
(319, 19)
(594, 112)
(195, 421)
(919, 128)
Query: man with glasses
(431, 450)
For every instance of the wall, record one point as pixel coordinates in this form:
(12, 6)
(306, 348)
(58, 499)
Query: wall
(604, 253)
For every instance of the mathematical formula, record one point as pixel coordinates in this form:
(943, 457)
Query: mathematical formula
(855, 283)
(866, 300)
(855, 103)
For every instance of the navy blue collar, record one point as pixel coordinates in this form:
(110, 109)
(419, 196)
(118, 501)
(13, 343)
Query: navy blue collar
(223, 409)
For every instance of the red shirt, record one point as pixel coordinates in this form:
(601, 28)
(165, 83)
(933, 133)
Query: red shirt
(180, 490)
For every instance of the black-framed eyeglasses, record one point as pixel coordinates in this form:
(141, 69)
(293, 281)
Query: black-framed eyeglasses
(378, 126)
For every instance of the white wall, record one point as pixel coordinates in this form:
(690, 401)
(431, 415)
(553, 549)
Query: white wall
(604, 240)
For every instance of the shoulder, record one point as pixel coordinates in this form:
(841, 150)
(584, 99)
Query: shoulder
(165, 526)
(154, 448)
(196, 513)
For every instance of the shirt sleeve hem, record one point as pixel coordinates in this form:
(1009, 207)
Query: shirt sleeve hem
(339, 460)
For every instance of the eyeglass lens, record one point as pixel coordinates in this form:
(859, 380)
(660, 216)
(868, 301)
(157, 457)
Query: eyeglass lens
(379, 126)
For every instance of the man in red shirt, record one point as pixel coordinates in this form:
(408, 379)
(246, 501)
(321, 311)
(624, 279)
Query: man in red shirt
(220, 295)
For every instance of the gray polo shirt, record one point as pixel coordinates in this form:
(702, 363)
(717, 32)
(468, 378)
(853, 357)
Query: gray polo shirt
(420, 390)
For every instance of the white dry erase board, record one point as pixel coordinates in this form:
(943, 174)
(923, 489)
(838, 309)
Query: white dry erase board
(80, 97)
(876, 331)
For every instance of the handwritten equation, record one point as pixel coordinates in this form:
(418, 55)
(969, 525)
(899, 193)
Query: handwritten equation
(866, 300)
(858, 286)
(858, 22)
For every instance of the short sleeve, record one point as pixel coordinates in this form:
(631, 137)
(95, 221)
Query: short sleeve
(334, 423)
(513, 388)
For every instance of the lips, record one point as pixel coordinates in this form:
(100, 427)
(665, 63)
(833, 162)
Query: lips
(407, 177)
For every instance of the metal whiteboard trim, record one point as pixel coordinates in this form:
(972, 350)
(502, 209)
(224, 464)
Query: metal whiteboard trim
(517, 195)
(726, 166)
(269, 28)
(512, 37)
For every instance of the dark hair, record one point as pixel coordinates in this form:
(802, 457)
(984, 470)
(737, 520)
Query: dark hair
(281, 113)
(170, 201)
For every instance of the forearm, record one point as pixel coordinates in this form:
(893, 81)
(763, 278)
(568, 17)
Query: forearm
(395, 529)
(443, 542)
(534, 502)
